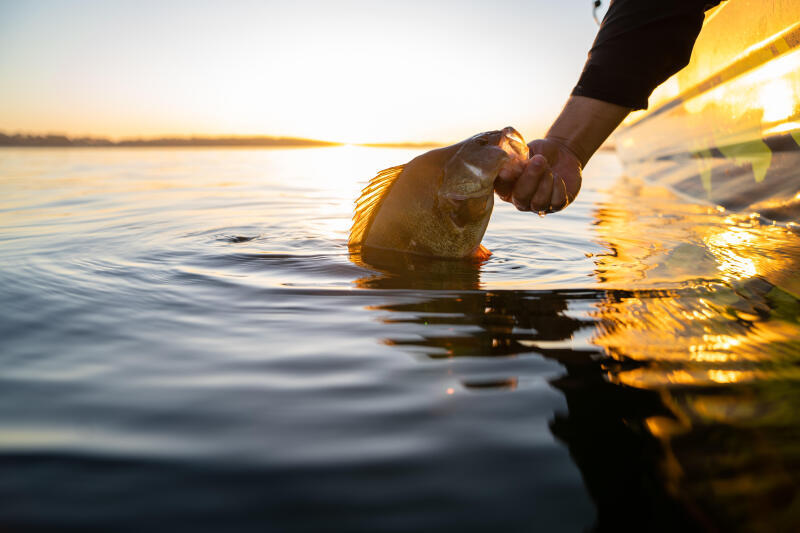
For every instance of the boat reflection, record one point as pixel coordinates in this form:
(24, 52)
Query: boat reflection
(667, 431)
(605, 427)
(680, 370)
(719, 346)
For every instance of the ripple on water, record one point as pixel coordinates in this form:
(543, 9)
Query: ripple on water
(186, 339)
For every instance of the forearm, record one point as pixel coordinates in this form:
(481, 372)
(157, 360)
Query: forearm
(584, 124)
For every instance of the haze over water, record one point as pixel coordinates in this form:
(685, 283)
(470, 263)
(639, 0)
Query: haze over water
(185, 340)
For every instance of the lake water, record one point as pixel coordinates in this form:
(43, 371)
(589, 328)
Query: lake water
(185, 342)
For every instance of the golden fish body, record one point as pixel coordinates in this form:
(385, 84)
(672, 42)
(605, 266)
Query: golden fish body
(440, 202)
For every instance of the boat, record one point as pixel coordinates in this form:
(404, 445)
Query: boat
(726, 128)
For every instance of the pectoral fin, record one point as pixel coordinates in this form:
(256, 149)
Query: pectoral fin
(481, 253)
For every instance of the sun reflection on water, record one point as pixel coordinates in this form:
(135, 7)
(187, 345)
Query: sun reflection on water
(702, 310)
(728, 246)
(731, 266)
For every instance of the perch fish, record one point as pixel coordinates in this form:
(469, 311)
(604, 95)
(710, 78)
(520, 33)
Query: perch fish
(439, 203)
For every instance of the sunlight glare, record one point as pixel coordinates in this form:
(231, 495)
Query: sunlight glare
(777, 100)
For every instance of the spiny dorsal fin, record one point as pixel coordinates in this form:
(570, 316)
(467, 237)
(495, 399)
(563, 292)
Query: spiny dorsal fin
(370, 201)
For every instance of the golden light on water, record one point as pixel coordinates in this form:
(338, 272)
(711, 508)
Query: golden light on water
(725, 279)
(728, 376)
(655, 378)
(335, 177)
(714, 348)
(730, 248)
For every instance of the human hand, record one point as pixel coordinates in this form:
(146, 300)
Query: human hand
(547, 182)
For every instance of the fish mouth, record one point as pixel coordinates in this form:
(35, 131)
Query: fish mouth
(513, 143)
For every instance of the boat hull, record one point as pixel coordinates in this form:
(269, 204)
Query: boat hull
(727, 127)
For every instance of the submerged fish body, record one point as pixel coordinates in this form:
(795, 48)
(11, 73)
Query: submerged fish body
(439, 203)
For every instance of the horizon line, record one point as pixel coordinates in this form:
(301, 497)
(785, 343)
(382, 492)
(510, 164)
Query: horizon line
(59, 140)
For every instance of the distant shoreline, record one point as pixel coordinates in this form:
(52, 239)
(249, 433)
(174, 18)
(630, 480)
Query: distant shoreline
(62, 141)
(58, 141)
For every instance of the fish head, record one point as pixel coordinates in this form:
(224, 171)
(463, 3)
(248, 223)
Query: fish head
(466, 191)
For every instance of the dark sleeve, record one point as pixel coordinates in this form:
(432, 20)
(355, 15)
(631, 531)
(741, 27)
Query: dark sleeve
(640, 44)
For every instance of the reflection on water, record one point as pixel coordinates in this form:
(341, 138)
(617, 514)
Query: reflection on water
(390, 269)
(688, 374)
(185, 335)
(605, 425)
(510, 323)
(721, 349)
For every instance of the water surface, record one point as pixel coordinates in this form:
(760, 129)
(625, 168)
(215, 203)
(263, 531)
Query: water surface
(185, 340)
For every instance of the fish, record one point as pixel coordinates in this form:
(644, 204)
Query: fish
(439, 203)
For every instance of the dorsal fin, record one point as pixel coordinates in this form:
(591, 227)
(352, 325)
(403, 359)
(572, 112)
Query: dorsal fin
(370, 201)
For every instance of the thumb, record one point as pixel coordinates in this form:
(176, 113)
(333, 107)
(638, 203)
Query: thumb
(538, 160)
(508, 176)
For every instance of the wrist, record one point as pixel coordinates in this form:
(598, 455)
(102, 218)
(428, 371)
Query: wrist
(573, 151)
(584, 124)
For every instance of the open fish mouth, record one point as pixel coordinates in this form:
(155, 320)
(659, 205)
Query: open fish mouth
(513, 134)
(513, 143)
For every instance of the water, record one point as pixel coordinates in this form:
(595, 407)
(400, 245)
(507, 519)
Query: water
(185, 341)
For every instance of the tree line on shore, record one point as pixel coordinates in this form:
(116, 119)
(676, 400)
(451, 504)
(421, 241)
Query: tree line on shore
(54, 140)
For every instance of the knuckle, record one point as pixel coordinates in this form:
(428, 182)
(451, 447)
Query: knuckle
(534, 169)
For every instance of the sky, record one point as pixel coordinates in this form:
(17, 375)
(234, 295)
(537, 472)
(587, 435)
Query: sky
(346, 71)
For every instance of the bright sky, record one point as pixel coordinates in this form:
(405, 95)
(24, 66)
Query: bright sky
(352, 71)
